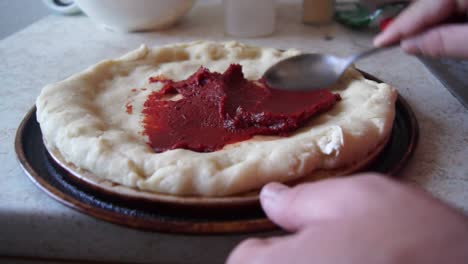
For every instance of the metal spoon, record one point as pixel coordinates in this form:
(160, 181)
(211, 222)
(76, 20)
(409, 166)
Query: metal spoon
(308, 72)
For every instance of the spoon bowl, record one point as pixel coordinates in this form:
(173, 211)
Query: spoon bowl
(305, 72)
(308, 72)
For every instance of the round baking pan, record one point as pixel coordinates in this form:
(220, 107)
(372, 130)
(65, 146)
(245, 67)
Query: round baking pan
(165, 213)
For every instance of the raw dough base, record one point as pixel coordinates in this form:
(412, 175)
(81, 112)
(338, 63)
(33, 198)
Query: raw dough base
(240, 199)
(84, 118)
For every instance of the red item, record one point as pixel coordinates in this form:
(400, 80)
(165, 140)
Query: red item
(129, 108)
(385, 23)
(219, 109)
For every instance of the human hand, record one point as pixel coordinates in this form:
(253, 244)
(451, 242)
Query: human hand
(361, 219)
(419, 30)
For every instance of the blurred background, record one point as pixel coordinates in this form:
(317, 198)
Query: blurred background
(17, 14)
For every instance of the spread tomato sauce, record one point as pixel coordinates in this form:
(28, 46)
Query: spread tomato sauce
(217, 109)
(129, 108)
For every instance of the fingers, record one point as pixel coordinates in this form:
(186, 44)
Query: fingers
(295, 208)
(249, 251)
(416, 18)
(289, 208)
(443, 41)
(284, 249)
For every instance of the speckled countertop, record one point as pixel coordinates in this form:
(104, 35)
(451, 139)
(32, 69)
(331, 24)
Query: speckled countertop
(34, 225)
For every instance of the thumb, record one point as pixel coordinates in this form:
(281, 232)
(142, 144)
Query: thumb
(295, 208)
(442, 41)
(326, 200)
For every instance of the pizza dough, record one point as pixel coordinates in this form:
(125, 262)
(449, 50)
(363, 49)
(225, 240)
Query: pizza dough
(93, 119)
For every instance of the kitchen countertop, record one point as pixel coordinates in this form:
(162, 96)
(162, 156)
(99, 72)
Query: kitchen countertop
(16, 15)
(34, 225)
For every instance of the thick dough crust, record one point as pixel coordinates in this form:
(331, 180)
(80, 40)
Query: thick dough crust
(85, 118)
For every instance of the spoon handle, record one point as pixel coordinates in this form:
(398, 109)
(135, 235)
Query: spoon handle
(358, 56)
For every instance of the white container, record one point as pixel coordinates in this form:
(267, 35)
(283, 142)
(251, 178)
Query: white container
(249, 18)
(127, 15)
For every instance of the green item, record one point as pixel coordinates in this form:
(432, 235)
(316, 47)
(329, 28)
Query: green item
(357, 15)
